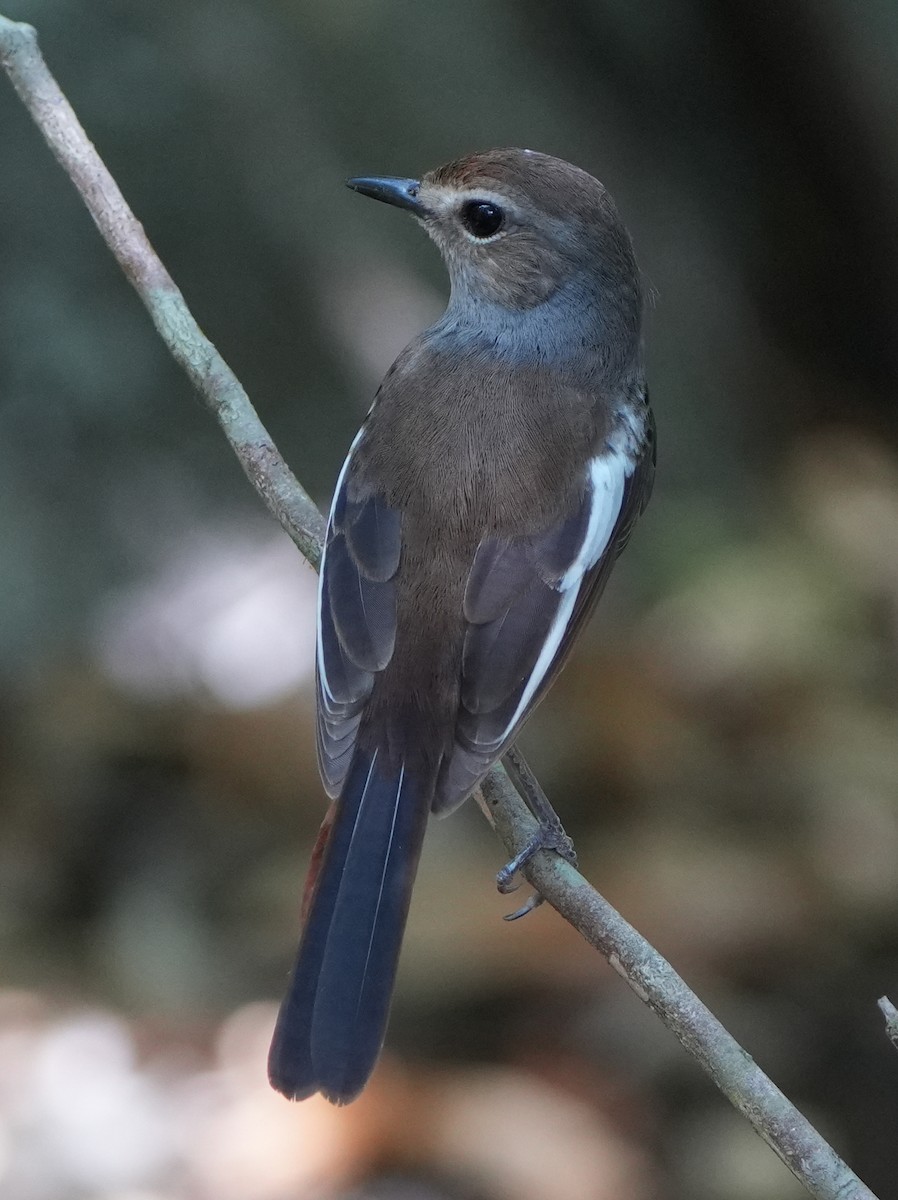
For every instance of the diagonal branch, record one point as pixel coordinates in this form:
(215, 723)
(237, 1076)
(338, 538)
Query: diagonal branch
(793, 1139)
(124, 235)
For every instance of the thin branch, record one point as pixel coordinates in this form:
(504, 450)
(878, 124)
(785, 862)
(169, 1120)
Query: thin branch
(796, 1142)
(813, 1162)
(124, 235)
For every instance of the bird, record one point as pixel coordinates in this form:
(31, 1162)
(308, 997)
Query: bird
(495, 479)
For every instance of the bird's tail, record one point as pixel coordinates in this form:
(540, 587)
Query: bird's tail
(332, 1022)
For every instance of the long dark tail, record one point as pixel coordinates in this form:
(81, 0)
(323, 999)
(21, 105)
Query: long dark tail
(332, 1022)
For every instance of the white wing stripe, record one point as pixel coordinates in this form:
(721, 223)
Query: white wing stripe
(607, 476)
(322, 671)
(546, 655)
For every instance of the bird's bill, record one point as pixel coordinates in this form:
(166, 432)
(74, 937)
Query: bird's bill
(403, 193)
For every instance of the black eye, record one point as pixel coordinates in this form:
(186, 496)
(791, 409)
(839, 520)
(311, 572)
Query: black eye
(482, 218)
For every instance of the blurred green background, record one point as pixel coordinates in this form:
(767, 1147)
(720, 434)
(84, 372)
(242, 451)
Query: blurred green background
(724, 745)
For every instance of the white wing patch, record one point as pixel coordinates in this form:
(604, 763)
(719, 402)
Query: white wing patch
(608, 474)
(322, 670)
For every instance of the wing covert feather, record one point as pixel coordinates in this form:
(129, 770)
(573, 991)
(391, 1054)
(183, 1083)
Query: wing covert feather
(526, 600)
(356, 618)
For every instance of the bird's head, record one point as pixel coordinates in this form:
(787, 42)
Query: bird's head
(515, 227)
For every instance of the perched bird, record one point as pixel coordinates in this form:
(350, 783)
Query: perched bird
(496, 478)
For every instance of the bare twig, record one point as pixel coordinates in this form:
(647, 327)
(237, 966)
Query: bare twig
(796, 1142)
(657, 984)
(124, 235)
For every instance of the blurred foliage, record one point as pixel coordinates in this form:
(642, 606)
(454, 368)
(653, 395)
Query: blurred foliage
(724, 745)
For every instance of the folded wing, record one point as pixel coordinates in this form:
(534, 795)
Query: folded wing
(525, 601)
(356, 619)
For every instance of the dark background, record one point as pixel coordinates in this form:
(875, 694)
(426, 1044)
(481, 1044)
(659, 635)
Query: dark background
(724, 746)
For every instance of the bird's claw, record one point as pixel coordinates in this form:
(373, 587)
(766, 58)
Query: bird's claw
(550, 833)
(552, 838)
(534, 902)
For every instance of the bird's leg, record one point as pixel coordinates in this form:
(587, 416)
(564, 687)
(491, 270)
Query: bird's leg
(550, 835)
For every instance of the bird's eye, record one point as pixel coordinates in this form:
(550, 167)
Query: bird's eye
(482, 218)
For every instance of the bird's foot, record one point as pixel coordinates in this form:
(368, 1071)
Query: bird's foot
(550, 835)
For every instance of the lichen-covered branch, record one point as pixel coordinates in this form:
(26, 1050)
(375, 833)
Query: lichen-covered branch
(796, 1142)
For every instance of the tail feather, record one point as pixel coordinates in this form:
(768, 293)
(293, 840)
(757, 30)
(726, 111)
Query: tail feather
(331, 1025)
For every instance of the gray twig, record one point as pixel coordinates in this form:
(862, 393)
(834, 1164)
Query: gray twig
(124, 235)
(796, 1142)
